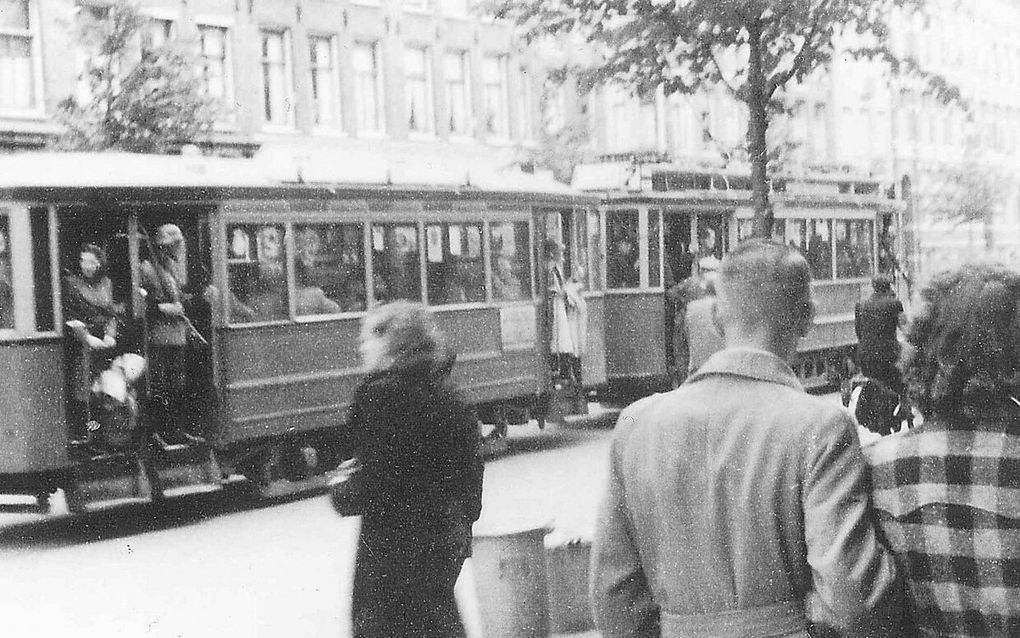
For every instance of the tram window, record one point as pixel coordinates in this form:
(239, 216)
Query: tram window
(395, 265)
(818, 247)
(456, 270)
(6, 280)
(594, 250)
(853, 248)
(745, 229)
(329, 269)
(510, 246)
(654, 253)
(256, 272)
(43, 275)
(622, 257)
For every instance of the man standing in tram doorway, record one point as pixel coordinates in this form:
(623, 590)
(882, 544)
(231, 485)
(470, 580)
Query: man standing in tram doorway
(737, 504)
(876, 320)
(163, 278)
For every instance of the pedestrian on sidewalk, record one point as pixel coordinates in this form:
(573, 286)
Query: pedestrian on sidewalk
(417, 443)
(946, 491)
(737, 504)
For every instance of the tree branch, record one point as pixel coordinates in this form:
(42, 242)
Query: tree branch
(779, 79)
(722, 76)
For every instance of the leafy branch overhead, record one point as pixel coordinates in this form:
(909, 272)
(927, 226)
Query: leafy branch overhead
(754, 48)
(135, 97)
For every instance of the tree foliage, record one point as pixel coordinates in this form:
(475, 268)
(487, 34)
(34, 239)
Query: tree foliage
(139, 98)
(753, 47)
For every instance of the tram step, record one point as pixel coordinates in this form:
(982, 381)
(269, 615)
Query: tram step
(282, 488)
(181, 470)
(108, 482)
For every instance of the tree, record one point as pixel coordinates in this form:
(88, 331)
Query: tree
(966, 192)
(140, 98)
(752, 47)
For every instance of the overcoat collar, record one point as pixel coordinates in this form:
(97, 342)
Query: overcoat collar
(749, 363)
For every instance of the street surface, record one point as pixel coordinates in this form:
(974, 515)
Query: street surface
(222, 565)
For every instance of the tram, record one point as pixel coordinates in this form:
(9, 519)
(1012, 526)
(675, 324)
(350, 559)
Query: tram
(286, 259)
(661, 219)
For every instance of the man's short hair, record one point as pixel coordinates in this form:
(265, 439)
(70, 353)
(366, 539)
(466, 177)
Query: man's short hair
(765, 283)
(881, 283)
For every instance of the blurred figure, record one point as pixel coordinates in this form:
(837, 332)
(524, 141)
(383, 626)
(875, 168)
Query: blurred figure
(164, 278)
(417, 442)
(737, 504)
(876, 320)
(682, 295)
(947, 491)
(702, 331)
(92, 320)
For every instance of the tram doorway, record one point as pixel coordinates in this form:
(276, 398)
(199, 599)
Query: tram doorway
(113, 407)
(679, 263)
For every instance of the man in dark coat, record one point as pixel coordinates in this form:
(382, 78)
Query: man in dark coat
(875, 321)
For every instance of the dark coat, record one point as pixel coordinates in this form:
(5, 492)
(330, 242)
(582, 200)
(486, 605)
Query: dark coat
(418, 445)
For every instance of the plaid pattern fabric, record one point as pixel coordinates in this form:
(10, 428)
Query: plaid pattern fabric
(948, 502)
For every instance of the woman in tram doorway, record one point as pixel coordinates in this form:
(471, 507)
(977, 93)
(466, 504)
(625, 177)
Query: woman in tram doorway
(92, 320)
(417, 443)
(561, 341)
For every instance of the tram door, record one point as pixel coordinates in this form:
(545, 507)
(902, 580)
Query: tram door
(678, 260)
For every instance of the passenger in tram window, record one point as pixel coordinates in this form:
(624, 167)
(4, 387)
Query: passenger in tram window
(268, 300)
(310, 299)
(6, 281)
(92, 318)
(819, 255)
(511, 272)
(506, 285)
(395, 258)
(624, 266)
(164, 278)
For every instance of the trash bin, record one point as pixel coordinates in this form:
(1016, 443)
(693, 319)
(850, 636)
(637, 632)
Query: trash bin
(567, 580)
(510, 580)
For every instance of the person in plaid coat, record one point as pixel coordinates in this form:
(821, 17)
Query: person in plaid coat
(948, 492)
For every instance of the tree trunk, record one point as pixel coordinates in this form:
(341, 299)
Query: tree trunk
(758, 124)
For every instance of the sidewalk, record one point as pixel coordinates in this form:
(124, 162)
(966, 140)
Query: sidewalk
(550, 477)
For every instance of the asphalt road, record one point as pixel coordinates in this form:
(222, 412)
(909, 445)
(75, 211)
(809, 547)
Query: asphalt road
(224, 565)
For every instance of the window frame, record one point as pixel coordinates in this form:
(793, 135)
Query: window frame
(229, 91)
(336, 124)
(464, 58)
(375, 50)
(287, 67)
(33, 34)
(502, 62)
(426, 80)
(23, 296)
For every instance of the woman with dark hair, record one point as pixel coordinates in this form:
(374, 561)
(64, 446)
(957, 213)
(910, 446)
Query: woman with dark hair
(417, 443)
(946, 491)
(92, 320)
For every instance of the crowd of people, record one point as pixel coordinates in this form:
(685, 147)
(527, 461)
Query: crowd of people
(740, 505)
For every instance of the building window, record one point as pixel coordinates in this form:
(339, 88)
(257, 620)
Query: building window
(456, 8)
(368, 87)
(494, 79)
(214, 60)
(325, 81)
(416, 5)
(19, 89)
(458, 94)
(528, 105)
(276, 78)
(158, 32)
(418, 90)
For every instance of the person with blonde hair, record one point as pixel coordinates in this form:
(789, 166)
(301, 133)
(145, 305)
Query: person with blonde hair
(948, 491)
(417, 442)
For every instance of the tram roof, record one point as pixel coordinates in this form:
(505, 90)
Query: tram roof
(115, 170)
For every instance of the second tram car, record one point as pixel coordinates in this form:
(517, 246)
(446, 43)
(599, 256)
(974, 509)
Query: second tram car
(661, 219)
(282, 270)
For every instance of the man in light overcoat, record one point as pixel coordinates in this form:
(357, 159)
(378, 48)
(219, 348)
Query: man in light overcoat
(737, 504)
